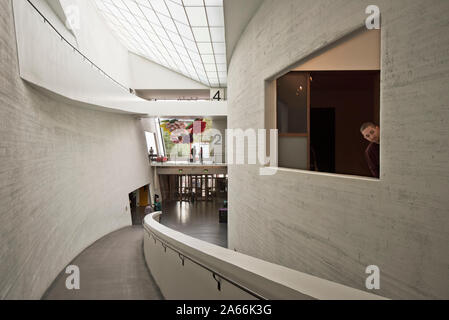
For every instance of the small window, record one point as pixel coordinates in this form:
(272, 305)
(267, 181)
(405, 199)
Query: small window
(319, 117)
(151, 142)
(322, 108)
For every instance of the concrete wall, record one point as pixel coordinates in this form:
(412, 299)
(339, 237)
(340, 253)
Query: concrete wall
(335, 226)
(86, 84)
(54, 13)
(65, 175)
(148, 125)
(220, 144)
(360, 51)
(97, 41)
(146, 74)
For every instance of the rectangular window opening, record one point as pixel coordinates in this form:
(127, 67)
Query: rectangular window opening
(327, 111)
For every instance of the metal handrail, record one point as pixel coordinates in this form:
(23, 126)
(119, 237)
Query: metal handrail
(74, 48)
(215, 274)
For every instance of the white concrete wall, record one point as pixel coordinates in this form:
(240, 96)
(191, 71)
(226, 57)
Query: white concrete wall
(220, 148)
(97, 42)
(47, 61)
(55, 18)
(65, 175)
(179, 108)
(66, 73)
(148, 125)
(361, 51)
(335, 226)
(145, 74)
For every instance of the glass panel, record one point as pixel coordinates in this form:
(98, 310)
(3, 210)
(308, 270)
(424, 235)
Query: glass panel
(197, 16)
(219, 48)
(177, 12)
(292, 103)
(194, 25)
(205, 48)
(214, 3)
(215, 16)
(193, 3)
(151, 142)
(293, 152)
(218, 34)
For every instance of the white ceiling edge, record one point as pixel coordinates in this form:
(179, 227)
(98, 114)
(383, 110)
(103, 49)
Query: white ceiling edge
(132, 105)
(86, 85)
(237, 15)
(146, 74)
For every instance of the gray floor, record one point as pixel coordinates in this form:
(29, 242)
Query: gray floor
(137, 215)
(198, 220)
(112, 268)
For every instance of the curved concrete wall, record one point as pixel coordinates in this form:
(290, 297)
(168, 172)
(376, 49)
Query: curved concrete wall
(96, 41)
(186, 268)
(335, 226)
(65, 175)
(87, 84)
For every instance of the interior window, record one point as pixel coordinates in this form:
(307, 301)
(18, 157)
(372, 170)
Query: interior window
(319, 118)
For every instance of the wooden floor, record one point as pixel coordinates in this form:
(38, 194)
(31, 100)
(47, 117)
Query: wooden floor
(112, 268)
(198, 220)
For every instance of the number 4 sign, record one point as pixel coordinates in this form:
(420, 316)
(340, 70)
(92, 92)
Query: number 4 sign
(217, 94)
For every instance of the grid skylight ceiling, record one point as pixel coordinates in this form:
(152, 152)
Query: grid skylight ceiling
(186, 36)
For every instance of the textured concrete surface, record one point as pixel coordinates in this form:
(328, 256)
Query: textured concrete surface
(112, 268)
(65, 175)
(334, 226)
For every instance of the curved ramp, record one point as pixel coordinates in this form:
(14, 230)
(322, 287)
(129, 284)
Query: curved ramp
(111, 268)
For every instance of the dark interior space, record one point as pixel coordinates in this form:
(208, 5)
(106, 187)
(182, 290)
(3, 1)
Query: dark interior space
(322, 139)
(133, 206)
(354, 97)
(138, 201)
(191, 188)
(319, 115)
(292, 103)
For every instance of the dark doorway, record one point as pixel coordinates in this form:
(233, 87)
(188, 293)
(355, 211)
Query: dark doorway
(322, 140)
(138, 201)
(353, 97)
(133, 207)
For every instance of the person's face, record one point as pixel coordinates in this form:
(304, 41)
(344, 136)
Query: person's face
(372, 134)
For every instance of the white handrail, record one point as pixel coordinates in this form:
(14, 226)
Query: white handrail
(188, 268)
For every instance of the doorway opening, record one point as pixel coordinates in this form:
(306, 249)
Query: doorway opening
(139, 200)
(322, 139)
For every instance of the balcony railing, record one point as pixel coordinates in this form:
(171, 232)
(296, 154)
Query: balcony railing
(188, 268)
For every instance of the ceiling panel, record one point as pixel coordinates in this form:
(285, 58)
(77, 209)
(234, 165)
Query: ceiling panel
(186, 36)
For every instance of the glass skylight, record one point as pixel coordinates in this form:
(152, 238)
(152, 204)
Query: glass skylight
(187, 36)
